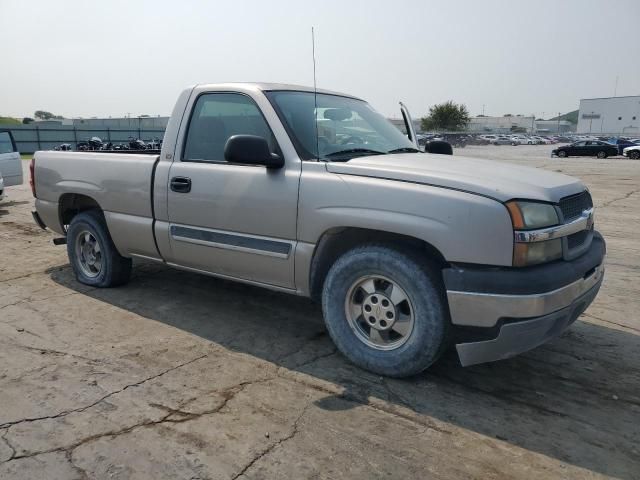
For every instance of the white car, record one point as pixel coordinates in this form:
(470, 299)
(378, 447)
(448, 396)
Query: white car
(524, 140)
(542, 140)
(10, 163)
(632, 152)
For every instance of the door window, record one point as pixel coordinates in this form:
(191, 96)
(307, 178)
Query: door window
(6, 145)
(218, 116)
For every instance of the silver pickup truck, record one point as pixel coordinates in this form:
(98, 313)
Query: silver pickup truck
(314, 193)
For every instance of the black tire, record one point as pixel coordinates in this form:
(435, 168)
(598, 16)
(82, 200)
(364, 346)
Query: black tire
(602, 154)
(562, 154)
(423, 286)
(114, 268)
(634, 154)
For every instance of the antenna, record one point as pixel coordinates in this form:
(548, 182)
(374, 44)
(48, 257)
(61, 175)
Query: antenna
(315, 92)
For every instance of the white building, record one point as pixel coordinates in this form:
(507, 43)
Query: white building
(505, 124)
(610, 115)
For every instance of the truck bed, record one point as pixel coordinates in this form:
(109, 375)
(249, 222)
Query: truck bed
(120, 183)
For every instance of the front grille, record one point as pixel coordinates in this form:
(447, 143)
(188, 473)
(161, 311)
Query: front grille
(577, 239)
(573, 206)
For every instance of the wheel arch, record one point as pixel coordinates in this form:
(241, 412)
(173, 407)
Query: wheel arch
(337, 240)
(71, 204)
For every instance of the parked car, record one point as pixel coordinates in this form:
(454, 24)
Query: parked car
(477, 140)
(621, 144)
(522, 140)
(403, 249)
(1, 187)
(586, 148)
(632, 152)
(457, 140)
(499, 140)
(10, 163)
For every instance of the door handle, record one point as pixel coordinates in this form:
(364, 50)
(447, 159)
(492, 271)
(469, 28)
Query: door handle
(180, 184)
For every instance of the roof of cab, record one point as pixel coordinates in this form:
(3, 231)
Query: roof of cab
(267, 87)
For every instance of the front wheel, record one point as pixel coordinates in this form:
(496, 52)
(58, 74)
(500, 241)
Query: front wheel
(385, 310)
(602, 154)
(93, 255)
(562, 154)
(634, 154)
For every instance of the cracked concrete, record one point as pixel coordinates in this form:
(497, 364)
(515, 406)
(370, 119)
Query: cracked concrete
(182, 376)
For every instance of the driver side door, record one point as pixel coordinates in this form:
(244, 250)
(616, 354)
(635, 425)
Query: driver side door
(232, 220)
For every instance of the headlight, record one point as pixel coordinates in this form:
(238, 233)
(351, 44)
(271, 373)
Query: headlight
(532, 215)
(525, 254)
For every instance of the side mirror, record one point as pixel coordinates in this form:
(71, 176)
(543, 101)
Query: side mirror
(439, 146)
(251, 150)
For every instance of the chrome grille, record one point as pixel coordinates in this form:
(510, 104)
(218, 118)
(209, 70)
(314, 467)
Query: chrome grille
(573, 206)
(577, 239)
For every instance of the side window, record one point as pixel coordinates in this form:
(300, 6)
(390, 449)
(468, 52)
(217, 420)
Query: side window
(218, 116)
(6, 146)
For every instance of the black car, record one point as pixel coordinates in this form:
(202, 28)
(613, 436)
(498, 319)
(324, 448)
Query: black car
(586, 148)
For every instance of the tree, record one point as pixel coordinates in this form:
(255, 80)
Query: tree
(446, 116)
(44, 115)
(27, 120)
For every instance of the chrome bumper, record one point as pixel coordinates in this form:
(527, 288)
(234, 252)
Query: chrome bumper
(519, 336)
(486, 309)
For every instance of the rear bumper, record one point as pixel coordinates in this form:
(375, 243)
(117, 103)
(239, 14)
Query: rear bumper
(38, 220)
(498, 313)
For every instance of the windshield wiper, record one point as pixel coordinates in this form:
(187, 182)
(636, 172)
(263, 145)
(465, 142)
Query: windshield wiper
(404, 150)
(364, 151)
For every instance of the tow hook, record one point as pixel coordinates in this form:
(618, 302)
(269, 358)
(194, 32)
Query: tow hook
(60, 241)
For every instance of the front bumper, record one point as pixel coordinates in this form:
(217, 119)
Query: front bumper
(499, 313)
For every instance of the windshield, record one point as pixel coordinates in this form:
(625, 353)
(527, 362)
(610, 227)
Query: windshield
(346, 127)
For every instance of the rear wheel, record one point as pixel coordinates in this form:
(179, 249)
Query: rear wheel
(602, 154)
(385, 310)
(93, 255)
(562, 154)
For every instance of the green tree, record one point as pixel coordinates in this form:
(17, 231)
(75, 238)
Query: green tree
(448, 116)
(44, 115)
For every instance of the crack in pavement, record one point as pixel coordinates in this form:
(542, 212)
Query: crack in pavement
(33, 300)
(29, 275)
(101, 399)
(83, 473)
(50, 351)
(6, 441)
(179, 415)
(363, 400)
(611, 322)
(266, 451)
(624, 197)
(227, 394)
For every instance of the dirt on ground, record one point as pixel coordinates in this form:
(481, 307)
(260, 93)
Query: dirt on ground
(181, 376)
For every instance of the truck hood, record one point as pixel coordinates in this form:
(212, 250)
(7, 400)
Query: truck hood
(498, 180)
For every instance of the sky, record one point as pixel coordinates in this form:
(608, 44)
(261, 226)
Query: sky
(81, 58)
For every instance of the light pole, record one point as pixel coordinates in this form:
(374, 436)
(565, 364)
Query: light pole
(590, 122)
(559, 123)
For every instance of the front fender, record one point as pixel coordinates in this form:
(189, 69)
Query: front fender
(462, 226)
